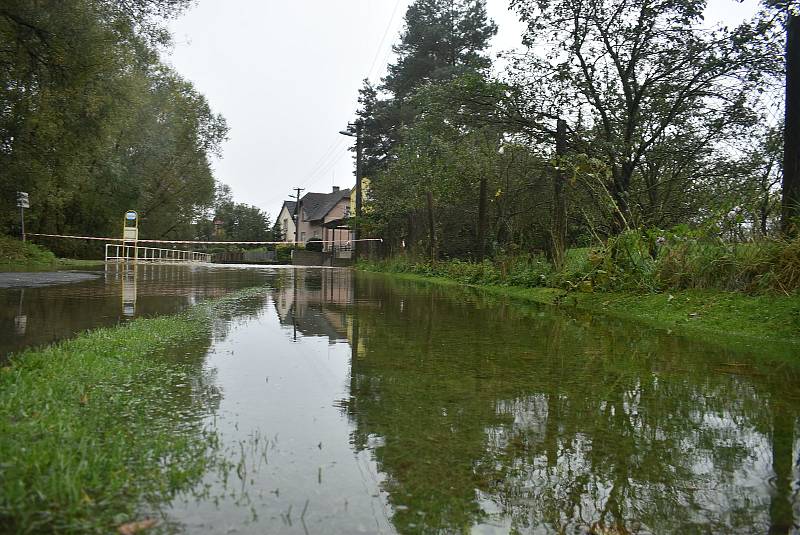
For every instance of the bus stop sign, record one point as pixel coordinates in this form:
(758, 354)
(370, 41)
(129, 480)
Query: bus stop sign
(130, 228)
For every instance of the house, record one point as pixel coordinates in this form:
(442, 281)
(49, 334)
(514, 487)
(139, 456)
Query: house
(321, 216)
(286, 220)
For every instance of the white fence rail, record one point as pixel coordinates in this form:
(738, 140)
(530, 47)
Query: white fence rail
(116, 252)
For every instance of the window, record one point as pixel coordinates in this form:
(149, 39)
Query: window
(302, 236)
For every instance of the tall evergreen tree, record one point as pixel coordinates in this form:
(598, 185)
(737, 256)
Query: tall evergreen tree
(442, 39)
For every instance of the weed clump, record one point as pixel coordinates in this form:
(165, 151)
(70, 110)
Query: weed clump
(634, 261)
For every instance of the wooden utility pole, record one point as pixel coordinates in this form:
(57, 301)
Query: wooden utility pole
(297, 214)
(357, 224)
(791, 129)
(357, 229)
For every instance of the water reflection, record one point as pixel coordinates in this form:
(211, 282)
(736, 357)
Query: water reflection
(289, 464)
(362, 404)
(36, 316)
(353, 403)
(314, 302)
(518, 420)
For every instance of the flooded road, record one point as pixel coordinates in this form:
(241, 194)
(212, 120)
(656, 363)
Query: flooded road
(34, 316)
(355, 403)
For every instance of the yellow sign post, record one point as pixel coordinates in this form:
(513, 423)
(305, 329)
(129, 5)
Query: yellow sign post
(130, 232)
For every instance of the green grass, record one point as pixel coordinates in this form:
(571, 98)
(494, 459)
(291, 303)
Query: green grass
(16, 255)
(726, 318)
(98, 430)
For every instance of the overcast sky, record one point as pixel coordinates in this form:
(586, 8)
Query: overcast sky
(286, 74)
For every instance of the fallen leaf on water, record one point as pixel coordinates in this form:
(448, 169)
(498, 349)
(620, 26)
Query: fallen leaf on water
(135, 527)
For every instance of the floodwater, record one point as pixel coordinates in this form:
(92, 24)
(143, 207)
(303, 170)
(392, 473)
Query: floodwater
(356, 403)
(36, 316)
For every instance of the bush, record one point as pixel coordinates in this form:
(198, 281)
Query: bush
(314, 244)
(283, 253)
(13, 251)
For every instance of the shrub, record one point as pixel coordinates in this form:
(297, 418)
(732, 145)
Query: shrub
(16, 252)
(314, 244)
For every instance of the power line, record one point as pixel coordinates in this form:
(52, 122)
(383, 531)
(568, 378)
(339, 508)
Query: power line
(383, 39)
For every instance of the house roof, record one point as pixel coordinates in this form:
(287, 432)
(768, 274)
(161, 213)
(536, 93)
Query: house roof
(317, 205)
(289, 205)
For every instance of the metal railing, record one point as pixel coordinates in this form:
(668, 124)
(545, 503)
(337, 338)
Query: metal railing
(342, 250)
(118, 252)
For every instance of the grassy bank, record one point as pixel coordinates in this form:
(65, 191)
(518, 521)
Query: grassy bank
(724, 316)
(16, 256)
(97, 431)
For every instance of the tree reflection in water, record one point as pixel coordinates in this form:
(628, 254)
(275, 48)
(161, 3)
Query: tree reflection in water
(481, 412)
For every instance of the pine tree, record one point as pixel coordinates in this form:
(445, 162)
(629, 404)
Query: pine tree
(442, 39)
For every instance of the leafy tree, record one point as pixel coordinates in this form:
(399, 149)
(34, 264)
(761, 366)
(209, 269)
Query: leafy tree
(243, 222)
(645, 75)
(94, 124)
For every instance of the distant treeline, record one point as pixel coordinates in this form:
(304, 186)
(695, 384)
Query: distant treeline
(619, 114)
(93, 123)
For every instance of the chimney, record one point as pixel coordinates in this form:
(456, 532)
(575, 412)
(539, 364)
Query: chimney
(335, 189)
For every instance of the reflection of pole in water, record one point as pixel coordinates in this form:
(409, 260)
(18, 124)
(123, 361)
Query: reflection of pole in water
(354, 342)
(294, 306)
(129, 291)
(20, 320)
(781, 513)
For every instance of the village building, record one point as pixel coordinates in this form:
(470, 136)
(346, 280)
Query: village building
(319, 216)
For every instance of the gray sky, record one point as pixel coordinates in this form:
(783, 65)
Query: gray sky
(286, 73)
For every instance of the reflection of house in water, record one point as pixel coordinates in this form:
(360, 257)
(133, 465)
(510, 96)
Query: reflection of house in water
(315, 302)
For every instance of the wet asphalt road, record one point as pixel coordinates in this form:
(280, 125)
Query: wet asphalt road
(44, 278)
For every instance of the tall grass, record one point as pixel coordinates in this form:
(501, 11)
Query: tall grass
(636, 261)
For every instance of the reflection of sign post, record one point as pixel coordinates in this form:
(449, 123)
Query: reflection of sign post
(129, 292)
(23, 202)
(130, 231)
(21, 320)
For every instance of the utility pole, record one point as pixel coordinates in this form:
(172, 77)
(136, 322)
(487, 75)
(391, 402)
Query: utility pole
(356, 229)
(297, 214)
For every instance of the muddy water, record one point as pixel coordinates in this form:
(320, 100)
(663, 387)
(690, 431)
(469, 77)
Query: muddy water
(355, 403)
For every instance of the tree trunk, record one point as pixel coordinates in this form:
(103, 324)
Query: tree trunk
(558, 223)
(764, 208)
(482, 220)
(791, 130)
(431, 227)
(622, 181)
